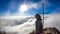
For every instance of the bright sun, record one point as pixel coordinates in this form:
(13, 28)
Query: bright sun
(23, 8)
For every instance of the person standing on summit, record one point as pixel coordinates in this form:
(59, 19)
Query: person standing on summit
(39, 25)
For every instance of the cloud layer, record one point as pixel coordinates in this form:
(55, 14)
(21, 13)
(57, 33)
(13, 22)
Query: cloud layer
(24, 25)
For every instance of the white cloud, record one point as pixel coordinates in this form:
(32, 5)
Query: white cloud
(38, 5)
(30, 5)
(51, 20)
(12, 21)
(24, 24)
(33, 5)
(56, 11)
(24, 28)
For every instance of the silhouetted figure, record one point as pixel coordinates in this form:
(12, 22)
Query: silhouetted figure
(39, 25)
(4, 32)
(0, 32)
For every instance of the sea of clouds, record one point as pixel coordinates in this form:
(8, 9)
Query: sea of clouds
(25, 25)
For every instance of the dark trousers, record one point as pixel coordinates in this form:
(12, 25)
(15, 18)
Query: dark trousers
(38, 32)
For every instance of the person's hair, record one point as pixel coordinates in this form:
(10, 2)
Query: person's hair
(37, 16)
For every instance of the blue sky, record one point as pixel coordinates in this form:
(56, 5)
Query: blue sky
(11, 7)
